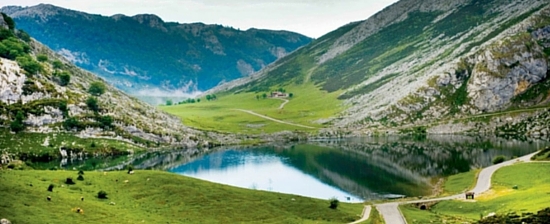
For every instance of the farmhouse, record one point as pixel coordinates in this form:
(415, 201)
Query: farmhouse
(278, 94)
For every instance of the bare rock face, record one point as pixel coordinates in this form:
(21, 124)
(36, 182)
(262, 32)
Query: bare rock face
(504, 70)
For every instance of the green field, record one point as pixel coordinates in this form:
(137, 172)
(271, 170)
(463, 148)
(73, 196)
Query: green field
(533, 194)
(460, 182)
(153, 197)
(307, 105)
(374, 217)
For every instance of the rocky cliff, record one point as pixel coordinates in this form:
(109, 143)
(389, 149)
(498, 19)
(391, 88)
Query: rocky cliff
(43, 92)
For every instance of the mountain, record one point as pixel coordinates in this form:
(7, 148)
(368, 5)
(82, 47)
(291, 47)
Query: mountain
(143, 55)
(44, 98)
(428, 66)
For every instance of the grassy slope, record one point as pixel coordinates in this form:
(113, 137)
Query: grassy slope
(306, 106)
(165, 198)
(531, 196)
(460, 182)
(374, 217)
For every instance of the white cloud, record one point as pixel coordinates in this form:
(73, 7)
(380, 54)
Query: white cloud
(310, 17)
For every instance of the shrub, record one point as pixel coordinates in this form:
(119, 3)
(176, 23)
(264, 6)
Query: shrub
(80, 178)
(499, 159)
(29, 65)
(57, 64)
(97, 88)
(50, 188)
(333, 203)
(17, 125)
(102, 194)
(42, 57)
(91, 102)
(72, 122)
(64, 78)
(69, 180)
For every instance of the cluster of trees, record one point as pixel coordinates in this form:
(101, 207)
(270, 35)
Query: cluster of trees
(542, 216)
(15, 47)
(211, 97)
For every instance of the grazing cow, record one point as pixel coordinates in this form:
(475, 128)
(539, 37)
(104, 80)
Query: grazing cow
(82, 198)
(49, 198)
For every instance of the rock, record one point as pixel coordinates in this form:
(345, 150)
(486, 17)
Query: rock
(4, 221)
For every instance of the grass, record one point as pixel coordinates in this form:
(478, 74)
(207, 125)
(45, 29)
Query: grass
(32, 146)
(532, 195)
(460, 182)
(307, 105)
(153, 197)
(375, 217)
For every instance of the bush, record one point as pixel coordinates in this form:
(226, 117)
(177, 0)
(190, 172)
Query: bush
(499, 159)
(57, 64)
(91, 102)
(71, 123)
(69, 180)
(64, 78)
(80, 178)
(97, 88)
(17, 125)
(102, 194)
(333, 203)
(50, 188)
(29, 65)
(42, 57)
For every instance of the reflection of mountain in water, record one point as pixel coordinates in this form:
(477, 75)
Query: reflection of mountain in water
(226, 159)
(367, 167)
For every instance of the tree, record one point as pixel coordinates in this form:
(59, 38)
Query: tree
(264, 95)
(106, 122)
(333, 203)
(290, 95)
(198, 100)
(91, 102)
(208, 97)
(169, 103)
(97, 88)
(24, 36)
(257, 97)
(17, 124)
(214, 97)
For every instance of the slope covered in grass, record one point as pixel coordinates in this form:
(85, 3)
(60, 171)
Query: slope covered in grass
(531, 195)
(153, 197)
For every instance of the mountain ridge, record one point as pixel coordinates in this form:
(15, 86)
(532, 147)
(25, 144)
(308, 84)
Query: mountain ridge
(144, 52)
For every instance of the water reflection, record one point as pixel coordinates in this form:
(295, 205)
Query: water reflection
(367, 168)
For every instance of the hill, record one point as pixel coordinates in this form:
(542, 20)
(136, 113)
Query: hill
(153, 197)
(48, 104)
(419, 66)
(145, 55)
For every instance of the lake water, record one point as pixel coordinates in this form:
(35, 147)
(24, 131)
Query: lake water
(352, 169)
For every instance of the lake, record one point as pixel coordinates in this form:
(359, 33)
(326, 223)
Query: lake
(352, 170)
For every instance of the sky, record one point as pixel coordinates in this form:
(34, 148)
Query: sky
(312, 18)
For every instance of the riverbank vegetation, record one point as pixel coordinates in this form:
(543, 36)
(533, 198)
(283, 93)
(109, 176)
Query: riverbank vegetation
(152, 197)
(521, 188)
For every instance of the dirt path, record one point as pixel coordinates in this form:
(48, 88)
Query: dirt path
(364, 216)
(283, 104)
(391, 213)
(273, 119)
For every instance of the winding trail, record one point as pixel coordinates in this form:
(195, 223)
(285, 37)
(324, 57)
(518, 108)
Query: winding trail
(391, 213)
(273, 119)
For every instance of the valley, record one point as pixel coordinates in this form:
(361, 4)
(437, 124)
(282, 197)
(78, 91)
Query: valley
(365, 124)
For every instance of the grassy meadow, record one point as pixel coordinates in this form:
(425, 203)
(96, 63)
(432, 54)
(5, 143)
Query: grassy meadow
(459, 183)
(153, 197)
(307, 105)
(532, 194)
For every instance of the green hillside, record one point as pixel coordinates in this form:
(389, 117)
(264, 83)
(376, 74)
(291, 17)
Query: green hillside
(153, 197)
